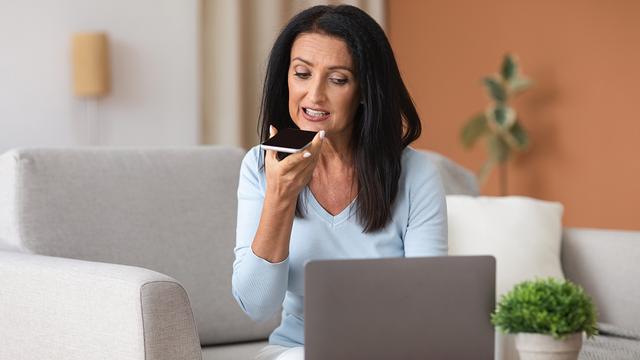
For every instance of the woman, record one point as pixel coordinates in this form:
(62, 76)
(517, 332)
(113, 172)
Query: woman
(358, 191)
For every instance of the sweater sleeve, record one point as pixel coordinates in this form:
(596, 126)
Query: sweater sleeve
(258, 286)
(426, 233)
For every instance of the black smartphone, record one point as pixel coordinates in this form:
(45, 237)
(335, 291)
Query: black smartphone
(289, 141)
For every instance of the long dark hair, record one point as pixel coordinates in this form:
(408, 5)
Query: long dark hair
(386, 121)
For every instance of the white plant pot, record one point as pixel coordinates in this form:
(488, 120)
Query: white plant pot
(545, 347)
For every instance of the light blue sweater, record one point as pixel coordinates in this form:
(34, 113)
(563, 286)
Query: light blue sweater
(418, 228)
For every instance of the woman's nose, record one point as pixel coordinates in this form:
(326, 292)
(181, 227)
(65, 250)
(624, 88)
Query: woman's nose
(317, 91)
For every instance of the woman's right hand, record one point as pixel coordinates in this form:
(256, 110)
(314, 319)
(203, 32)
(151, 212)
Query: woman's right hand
(286, 178)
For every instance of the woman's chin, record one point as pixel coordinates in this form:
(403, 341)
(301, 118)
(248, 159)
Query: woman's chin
(310, 126)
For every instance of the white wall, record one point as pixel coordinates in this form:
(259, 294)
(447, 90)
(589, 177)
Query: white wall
(155, 99)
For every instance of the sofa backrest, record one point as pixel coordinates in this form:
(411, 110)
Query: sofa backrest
(168, 210)
(605, 263)
(172, 210)
(456, 179)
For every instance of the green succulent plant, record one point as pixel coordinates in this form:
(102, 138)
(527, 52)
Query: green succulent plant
(546, 306)
(499, 123)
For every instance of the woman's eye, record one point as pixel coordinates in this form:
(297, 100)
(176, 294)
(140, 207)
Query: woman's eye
(302, 75)
(339, 81)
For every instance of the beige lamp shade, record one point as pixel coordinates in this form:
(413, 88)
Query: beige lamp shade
(90, 64)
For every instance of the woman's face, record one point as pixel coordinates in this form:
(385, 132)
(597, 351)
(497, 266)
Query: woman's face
(323, 92)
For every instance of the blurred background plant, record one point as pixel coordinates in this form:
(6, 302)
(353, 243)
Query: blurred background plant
(499, 123)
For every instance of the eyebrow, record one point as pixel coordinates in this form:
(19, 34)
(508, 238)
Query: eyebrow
(334, 67)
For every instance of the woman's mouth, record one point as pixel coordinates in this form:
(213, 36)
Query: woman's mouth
(315, 114)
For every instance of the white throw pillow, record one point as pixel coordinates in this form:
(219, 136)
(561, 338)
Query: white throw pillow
(523, 234)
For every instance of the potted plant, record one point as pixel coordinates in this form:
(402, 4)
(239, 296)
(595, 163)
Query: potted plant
(499, 124)
(548, 317)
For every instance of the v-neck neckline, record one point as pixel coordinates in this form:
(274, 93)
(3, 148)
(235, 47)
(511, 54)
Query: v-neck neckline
(336, 220)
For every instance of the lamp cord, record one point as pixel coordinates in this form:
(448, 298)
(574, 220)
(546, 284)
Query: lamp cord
(93, 125)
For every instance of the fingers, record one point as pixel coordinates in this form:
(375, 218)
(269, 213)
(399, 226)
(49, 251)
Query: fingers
(316, 144)
(299, 160)
(307, 156)
(297, 168)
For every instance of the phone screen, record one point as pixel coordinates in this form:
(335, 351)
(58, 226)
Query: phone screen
(292, 139)
(288, 141)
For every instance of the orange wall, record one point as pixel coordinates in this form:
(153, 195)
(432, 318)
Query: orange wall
(582, 113)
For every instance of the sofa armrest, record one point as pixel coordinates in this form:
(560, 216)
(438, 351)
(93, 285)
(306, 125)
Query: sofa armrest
(58, 308)
(605, 263)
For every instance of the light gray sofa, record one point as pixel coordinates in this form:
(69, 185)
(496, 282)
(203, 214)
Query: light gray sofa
(127, 254)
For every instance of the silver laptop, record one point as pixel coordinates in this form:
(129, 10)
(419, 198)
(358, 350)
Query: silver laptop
(400, 308)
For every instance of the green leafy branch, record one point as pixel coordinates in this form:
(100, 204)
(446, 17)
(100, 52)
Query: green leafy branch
(499, 123)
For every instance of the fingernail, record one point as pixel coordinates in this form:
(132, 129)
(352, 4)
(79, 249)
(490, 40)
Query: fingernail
(321, 134)
(306, 154)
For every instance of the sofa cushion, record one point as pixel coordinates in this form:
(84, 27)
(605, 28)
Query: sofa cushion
(241, 351)
(523, 234)
(168, 210)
